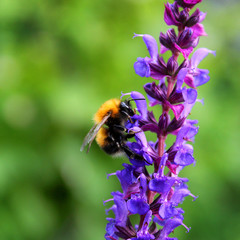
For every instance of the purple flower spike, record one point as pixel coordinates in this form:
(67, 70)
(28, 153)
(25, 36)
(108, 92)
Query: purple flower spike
(155, 196)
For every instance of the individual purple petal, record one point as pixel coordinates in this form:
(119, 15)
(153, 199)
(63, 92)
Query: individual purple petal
(181, 135)
(141, 103)
(126, 177)
(180, 77)
(137, 205)
(177, 109)
(163, 49)
(151, 44)
(180, 193)
(169, 226)
(189, 80)
(187, 109)
(162, 164)
(110, 229)
(199, 55)
(161, 184)
(140, 136)
(167, 210)
(202, 16)
(142, 67)
(189, 95)
(147, 220)
(183, 157)
(201, 78)
(143, 184)
(198, 30)
(185, 52)
(148, 158)
(120, 210)
(191, 133)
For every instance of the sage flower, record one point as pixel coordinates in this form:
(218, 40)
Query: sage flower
(151, 187)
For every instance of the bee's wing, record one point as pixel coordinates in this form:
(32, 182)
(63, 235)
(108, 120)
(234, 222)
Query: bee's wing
(93, 132)
(88, 136)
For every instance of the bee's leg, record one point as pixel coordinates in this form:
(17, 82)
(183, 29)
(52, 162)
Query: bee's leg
(129, 134)
(128, 116)
(112, 145)
(132, 154)
(121, 128)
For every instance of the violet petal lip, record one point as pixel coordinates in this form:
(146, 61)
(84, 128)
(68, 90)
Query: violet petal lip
(151, 44)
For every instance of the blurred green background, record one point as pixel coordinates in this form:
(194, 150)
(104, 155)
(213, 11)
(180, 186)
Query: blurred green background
(59, 61)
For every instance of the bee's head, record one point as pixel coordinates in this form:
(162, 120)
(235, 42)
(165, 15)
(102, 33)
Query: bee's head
(126, 108)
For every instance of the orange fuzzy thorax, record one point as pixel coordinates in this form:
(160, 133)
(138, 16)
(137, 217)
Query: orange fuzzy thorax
(111, 105)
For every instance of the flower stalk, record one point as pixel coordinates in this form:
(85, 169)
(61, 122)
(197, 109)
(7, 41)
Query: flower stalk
(155, 197)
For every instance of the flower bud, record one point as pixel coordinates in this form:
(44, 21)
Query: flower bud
(184, 64)
(172, 66)
(168, 39)
(185, 39)
(183, 16)
(194, 19)
(171, 14)
(158, 69)
(163, 123)
(175, 124)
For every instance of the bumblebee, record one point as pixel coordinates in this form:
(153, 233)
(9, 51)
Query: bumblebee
(109, 129)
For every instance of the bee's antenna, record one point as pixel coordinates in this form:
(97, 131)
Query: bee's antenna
(136, 99)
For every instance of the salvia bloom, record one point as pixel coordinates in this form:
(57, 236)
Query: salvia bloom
(155, 197)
